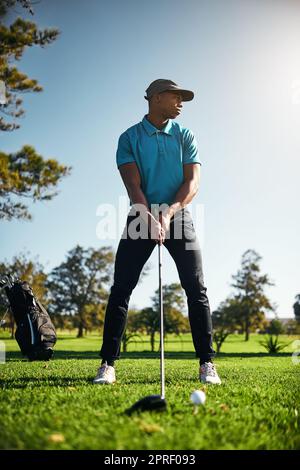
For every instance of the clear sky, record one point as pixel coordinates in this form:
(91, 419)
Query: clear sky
(242, 60)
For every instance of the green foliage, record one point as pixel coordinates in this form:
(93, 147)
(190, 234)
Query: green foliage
(175, 322)
(225, 321)
(148, 319)
(14, 40)
(5, 5)
(26, 174)
(272, 344)
(29, 270)
(79, 284)
(250, 285)
(94, 314)
(129, 338)
(173, 297)
(275, 327)
(23, 174)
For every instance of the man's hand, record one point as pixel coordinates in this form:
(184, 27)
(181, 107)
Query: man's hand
(165, 219)
(159, 228)
(156, 230)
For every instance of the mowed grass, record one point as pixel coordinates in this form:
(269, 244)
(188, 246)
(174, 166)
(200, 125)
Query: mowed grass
(54, 405)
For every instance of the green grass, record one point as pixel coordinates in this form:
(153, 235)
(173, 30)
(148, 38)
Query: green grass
(54, 405)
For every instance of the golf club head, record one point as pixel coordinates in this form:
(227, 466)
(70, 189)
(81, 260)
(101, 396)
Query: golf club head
(149, 403)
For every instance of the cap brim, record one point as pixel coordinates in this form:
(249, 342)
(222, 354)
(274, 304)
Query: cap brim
(187, 95)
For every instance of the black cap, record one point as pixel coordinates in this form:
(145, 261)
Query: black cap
(160, 85)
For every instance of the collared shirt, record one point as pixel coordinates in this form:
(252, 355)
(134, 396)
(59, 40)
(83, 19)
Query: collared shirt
(160, 156)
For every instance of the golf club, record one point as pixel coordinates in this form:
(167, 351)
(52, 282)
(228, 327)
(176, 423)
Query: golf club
(155, 402)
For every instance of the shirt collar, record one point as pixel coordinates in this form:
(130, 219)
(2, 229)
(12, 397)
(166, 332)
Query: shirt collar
(152, 129)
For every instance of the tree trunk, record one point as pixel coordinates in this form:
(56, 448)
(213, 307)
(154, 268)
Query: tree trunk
(80, 331)
(152, 339)
(247, 333)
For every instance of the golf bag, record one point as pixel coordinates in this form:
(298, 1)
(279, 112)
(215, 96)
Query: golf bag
(35, 332)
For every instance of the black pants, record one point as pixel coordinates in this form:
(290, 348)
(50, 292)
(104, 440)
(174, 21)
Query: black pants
(131, 256)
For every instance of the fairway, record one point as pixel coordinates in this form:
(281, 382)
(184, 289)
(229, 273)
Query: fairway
(54, 405)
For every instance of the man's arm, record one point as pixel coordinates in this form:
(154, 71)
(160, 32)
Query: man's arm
(132, 180)
(131, 177)
(188, 189)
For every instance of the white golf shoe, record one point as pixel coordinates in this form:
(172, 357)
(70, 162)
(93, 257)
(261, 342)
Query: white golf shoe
(106, 375)
(208, 374)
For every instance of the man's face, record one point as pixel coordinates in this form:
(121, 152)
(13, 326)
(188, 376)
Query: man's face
(168, 103)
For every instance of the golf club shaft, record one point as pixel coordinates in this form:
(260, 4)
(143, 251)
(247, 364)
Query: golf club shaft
(162, 359)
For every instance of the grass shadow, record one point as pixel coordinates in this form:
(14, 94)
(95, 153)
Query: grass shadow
(52, 381)
(83, 355)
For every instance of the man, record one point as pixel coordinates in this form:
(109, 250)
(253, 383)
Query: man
(159, 164)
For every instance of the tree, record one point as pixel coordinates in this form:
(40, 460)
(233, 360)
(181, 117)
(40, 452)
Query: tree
(173, 297)
(26, 174)
(175, 322)
(225, 321)
(128, 338)
(250, 285)
(27, 270)
(296, 308)
(148, 320)
(79, 284)
(6, 4)
(130, 334)
(275, 327)
(94, 315)
(174, 303)
(14, 40)
(23, 174)
(63, 322)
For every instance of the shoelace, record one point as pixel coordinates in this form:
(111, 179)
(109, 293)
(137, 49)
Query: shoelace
(210, 369)
(103, 368)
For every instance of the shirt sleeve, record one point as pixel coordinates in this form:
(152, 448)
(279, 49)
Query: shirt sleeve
(190, 148)
(124, 152)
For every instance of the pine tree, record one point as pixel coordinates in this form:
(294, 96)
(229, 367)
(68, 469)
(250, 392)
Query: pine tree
(23, 173)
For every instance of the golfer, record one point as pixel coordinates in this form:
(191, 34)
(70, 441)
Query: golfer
(159, 164)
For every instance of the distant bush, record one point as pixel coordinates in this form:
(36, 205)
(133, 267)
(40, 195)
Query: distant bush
(292, 327)
(275, 327)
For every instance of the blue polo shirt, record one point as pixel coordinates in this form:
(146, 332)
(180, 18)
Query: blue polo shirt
(160, 156)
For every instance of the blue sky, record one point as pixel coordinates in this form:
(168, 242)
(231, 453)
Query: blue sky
(241, 58)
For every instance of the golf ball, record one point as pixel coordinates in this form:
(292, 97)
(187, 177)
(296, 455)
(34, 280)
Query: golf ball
(198, 397)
